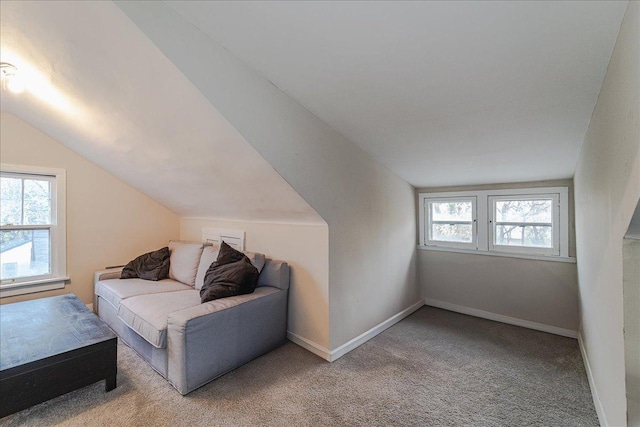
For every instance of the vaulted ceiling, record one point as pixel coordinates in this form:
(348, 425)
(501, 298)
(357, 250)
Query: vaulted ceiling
(442, 93)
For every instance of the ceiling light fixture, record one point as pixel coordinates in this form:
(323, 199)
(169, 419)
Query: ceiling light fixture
(10, 78)
(18, 75)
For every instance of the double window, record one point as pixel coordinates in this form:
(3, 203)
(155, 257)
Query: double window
(532, 221)
(32, 229)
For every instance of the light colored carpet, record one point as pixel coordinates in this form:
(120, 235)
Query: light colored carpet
(435, 368)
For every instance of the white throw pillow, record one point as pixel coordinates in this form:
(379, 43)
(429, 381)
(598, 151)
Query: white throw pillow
(184, 261)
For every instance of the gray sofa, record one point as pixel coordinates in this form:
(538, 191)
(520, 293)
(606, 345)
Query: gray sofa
(189, 343)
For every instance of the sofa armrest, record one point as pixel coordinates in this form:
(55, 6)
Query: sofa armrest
(111, 273)
(211, 339)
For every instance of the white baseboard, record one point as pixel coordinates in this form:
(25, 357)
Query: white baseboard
(594, 391)
(314, 348)
(362, 338)
(90, 306)
(500, 318)
(332, 355)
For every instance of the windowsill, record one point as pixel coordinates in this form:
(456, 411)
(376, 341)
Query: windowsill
(570, 260)
(21, 288)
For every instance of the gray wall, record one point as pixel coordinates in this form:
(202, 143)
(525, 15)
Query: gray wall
(631, 292)
(369, 210)
(536, 291)
(543, 292)
(607, 189)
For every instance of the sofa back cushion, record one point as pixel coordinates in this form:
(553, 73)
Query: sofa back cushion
(209, 255)
(184, 261)
(257, 259)
(275, 273)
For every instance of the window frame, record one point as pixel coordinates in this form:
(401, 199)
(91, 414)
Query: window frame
(447, 244)
(484, 214)
(57, 233)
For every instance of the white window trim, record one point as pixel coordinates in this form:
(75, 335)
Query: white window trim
(58, 276)
(483, 210)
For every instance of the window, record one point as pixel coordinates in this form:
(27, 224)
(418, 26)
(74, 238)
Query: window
(527, 224)
(451, 222)
(32, 229)
(532, 222)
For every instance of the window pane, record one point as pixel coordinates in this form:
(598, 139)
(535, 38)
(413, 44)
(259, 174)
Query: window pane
(452, 232)
(452, 211)
(10, 201)
(24, 253)
(37, 201)
(516, 235)
(524, 210)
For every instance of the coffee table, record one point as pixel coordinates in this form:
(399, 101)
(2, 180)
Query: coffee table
(49, 347)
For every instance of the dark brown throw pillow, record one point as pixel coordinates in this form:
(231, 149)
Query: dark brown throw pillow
(150, 266)
(230, 274)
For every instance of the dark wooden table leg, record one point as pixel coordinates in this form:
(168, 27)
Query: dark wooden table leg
(110, 383)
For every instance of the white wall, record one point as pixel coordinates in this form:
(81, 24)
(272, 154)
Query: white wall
(108, 222)
(369, 210)
(607, 189)
(542, 292)
(306, 249)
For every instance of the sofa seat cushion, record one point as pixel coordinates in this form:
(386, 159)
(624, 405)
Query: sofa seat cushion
(147, 314)
(180, 318)
(116, 290)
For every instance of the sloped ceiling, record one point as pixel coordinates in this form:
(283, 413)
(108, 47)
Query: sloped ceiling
(443, 93)
(118, 101)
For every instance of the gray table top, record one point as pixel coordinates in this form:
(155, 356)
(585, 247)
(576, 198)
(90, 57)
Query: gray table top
(40, 328)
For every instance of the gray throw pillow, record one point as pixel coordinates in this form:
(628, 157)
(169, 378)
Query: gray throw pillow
(230, 274)
(150, 266)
